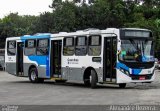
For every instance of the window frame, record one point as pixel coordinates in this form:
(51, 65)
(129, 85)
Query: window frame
(89, 44)
(100, 40)
(73, 41)
(76, 43)
(26, 43)
(73, 45)
(86, 45)
(37, 47)
(26, 47)
(42, 39)
(15, 46)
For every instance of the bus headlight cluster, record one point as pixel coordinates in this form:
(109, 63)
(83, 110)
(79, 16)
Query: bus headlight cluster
(124, 71)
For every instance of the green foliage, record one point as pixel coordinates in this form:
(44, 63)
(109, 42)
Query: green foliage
(67, 16)
(44, 23)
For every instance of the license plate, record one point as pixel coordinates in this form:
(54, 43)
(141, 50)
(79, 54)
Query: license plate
(142, 78)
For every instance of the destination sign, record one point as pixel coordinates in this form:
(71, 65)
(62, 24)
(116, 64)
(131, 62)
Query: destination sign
(135, 33)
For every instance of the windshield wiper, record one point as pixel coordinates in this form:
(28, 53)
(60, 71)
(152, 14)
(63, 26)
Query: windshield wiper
(135, 45)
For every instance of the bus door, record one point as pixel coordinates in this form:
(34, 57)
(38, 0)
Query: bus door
(110, 49)
(19, 59)
(56, 47)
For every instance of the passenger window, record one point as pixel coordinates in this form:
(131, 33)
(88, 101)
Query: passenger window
(31, 43)
(11, 48)
(68, 46)
(30, 47)
(81, 46)
(94, 45)
(42, 47)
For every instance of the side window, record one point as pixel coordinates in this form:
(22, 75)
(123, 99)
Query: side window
(11, 48)
(68, 46)
(30, 47)
(81, 46)
(42, 46)
(94, 45)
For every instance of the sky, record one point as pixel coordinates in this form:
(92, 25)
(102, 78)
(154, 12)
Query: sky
(24, 7)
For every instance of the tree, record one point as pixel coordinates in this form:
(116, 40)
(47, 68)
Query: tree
(56, 4)
(65, 17)
(44, 23)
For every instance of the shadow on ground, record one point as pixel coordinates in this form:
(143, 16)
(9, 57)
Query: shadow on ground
(145, 86)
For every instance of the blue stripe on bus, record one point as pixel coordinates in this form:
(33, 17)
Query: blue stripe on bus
(123, 66)
(35, 37)
(48, 62)
(136, 71)
(41, 60)
(47, 67)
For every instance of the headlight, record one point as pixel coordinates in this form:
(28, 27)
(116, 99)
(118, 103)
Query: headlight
(124, 71)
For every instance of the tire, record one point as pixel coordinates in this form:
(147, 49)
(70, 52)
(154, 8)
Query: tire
(33, 76)
(122, 85)
(93, 79)
(87, 83)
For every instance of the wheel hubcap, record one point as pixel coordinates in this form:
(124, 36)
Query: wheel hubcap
(90, 78)
(33, 75)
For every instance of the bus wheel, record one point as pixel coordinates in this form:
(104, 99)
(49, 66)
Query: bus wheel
(33, 76)
(87, 83)
(93, 79)
(122, 85)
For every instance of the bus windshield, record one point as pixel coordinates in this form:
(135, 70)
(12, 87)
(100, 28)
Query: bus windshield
(136, 50)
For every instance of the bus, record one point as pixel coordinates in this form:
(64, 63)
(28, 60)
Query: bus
(92, 56)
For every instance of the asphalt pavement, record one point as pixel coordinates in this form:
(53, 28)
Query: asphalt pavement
(19, 91)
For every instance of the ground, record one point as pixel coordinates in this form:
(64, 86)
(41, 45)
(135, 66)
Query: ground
(19, 91)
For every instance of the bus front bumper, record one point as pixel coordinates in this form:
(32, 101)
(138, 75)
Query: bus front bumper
(123, 78)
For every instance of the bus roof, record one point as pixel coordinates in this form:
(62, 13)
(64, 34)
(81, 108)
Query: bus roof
(12, 38)
(36, 36)
(84, 32)
(89, 31)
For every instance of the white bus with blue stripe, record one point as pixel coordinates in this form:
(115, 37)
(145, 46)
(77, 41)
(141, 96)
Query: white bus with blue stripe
(91, 56)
